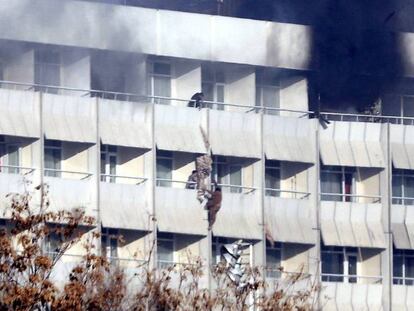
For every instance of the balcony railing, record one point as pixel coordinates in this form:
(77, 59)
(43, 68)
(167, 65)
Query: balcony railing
(403, 200)
(291, 194)
(352, 117)
(113, 178)
(341, 278)
(355, 198)
(13, 169)
(163, 182)
(403, 280)
(50, 172)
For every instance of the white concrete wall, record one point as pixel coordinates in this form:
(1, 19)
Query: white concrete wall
(159, 32)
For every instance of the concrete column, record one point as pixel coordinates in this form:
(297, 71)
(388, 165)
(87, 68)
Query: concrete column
(240, 87)
(186, 81)
(314, 200)
(386, 199)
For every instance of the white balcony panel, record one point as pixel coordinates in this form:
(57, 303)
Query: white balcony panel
(345, 296)
(19, 113)
(402, 146)
(290, 220)
(409, 223)
(352, 144)
(125, 206)
(178, 129)
(71, 194)
(9, 184)
(239, 217)
(398, 227)
(178, 210)
(235, 133)
(352, 224)
(158, 32)
(69, 118)
(288, 139)
(400, 297)
(124, 123)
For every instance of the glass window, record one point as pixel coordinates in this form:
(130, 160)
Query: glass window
(403, 187)
(165, 249)
(164, 168)
(110, 243)
(336, 180)
(408, 106)
(403, 266)
(213, 86)
(228, 172)
(273, 260)
(272, 178)
(160, 82)
(53, 158)
(109, 160)
(47, 68)
(339, 264)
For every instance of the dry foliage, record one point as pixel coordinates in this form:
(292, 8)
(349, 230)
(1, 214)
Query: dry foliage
(27, 282)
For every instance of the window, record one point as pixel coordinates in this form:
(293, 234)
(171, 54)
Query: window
(109, 243)
(108, 163)
(160, 81)
(47, 69)
(227, 172)
(339, 264)
(403, 266)
(272, 178)
(337, 183)
(9, 157)
(273, 260)
(267, 91)
(52, 244)
(165, 249)
(213, 86)
(402, 187)
(164, 168)
(53, 158)
(399, 106)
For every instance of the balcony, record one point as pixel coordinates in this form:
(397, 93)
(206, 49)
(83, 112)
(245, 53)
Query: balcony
(352, 224)
(125, 205)
(178, 210)
(240, 215)
(357, 144)
(20, 113)
(343, 296)
(74, 191)
(402, 225)
(291, 219)
(402, 297)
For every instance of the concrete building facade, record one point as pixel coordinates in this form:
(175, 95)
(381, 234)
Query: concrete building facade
(93, 102)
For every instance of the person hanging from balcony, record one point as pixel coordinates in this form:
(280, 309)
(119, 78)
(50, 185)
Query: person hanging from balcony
(192, 180)
(214, 205)
(196, 100)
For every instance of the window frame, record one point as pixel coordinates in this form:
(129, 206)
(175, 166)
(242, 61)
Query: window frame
(169, 238)
(402, 173)
(344, 171)
(346, 253)
(107, 153)
(57, 146)
(403, 279)
(41, 62)
(223, 161)
(273, 165)
(5, 159)
(164, 155)
(109, 236)
(151, 77)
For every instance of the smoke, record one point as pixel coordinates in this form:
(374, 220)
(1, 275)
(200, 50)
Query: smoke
(355, 55)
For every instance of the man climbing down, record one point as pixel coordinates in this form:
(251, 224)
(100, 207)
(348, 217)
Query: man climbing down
(213, 206)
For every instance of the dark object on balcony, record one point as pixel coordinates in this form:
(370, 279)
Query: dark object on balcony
(196, 100)
(192, 180)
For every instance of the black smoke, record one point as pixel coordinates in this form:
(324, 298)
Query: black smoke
(356, 56)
